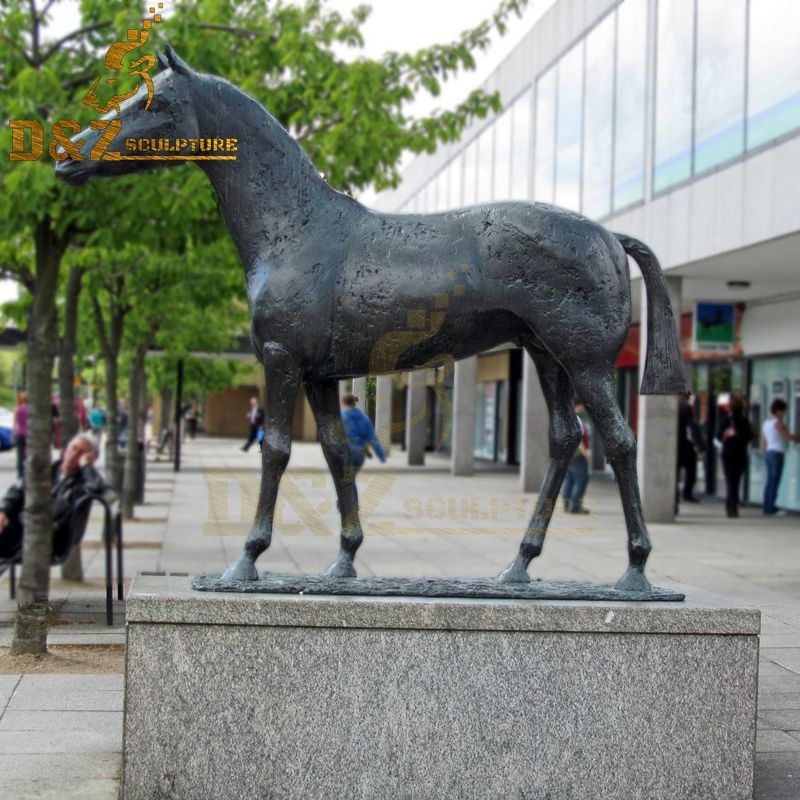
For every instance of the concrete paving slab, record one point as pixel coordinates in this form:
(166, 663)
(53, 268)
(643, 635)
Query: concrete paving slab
(777, 776)
(773, 741)
(60, 776)
(785, 719)
(786, 657)
(23, 720)
(34, 696)
(8, 683)
(778, 700)
(78, 682)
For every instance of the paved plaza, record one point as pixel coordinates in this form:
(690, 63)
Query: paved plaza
(61, 734)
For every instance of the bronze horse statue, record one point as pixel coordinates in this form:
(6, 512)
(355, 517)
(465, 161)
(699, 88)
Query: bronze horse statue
(331, 283)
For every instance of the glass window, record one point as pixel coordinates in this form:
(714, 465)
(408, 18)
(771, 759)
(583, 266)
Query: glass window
(521, 147)
(630, 103)
(673, 146)
(442, 189)
(569, 129)
(545, 136)
(598, 119)
(773, 89)
(471, 173)
(502, 156)
(719, 87)
(456, 174)
(485, 158)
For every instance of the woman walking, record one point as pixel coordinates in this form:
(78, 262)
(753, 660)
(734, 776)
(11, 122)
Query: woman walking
(735, 433)
(775, 434)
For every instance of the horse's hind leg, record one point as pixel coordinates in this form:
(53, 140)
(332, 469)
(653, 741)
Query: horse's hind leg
(565, 433)
(282, 382)
(324, 399)
(596, 388)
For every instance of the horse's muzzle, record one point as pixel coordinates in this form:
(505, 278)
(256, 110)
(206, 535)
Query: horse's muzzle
(74, 173)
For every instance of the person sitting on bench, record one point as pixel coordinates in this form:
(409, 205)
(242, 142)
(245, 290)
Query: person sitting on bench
(74, 477)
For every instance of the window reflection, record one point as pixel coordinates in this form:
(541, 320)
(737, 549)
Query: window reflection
(520, 147)
(719, 92)
(773, 89)
(485, 157)
(502, 156)
(545, 136)
(456, 174)
(569, 128)
(673, 145)
(598, 128)
(630, 103)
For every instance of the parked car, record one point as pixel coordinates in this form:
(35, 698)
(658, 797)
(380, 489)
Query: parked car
(6, 426)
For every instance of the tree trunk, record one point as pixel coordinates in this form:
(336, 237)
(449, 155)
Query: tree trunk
(72, 568)
(113, 461)
(166, 409)
(110, 345)
(66, 360)
(135, 393)
(30, 625)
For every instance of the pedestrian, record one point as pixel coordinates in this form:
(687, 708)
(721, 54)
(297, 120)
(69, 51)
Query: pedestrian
(775, 434)
(690, 444)
(192, 420)
(73, 477)
(360, 433)
(735, 433)
(97, 420)
(20, 431)
(255, 416)
(577, 477)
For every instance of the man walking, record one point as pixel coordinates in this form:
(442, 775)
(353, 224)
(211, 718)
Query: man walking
(255, 417)
(577, 476)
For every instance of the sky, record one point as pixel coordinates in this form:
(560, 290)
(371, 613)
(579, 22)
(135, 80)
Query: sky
(402, 25)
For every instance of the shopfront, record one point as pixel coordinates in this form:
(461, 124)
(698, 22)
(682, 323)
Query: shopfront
(772, 377)
(498, 406)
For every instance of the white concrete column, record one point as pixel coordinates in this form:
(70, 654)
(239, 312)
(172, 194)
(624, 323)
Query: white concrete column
(360, 391)
(657, 430)
(416, 417)
(383, 410)
(535, 440)
(463, 439)
(344, 388)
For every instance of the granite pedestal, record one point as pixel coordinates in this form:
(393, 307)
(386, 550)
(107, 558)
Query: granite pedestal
(281, 696)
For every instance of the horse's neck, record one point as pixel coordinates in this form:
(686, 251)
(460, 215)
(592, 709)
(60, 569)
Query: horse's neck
(271, 194)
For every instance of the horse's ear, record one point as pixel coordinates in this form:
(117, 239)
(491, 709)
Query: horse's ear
(177, 63)
(162, 61)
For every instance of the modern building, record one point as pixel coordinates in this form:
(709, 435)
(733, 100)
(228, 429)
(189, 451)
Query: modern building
(675, 121)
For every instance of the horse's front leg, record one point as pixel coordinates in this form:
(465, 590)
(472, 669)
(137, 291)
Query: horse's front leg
(324, 399)
(282, 382)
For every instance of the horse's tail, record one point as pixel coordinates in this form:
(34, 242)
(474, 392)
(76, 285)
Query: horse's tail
(663, 366)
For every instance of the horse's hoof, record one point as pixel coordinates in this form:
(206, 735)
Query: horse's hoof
(243, 570)
(341, 568)
(515, 572)
(634, 581)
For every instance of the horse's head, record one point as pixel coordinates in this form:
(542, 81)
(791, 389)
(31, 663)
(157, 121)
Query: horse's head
(170, 115)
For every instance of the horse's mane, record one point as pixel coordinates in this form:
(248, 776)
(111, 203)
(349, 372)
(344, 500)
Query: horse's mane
(276, 134)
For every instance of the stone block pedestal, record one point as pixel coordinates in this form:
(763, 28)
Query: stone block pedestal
(276, 696)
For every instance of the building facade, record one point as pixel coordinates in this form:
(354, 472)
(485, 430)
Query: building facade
(675, 121)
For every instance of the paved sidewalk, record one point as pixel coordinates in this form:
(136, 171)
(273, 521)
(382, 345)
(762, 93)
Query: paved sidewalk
(418, 522)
